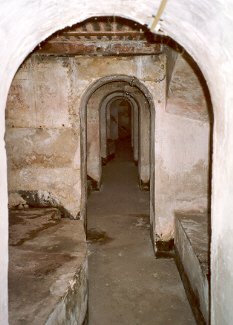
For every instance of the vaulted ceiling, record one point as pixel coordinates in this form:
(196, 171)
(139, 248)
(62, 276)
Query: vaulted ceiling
(102, 36)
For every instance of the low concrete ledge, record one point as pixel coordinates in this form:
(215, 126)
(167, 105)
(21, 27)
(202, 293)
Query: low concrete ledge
(47, 268)
(192, 255)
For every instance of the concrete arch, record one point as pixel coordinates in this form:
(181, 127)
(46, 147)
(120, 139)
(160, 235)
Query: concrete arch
(142, 126)
(93, 137)
(107, 101)
(204, 33)
(130, 82)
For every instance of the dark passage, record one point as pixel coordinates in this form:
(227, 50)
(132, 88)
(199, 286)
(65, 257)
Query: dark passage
(127, 285)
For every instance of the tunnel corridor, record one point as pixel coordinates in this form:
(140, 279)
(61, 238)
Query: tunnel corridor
(122, 266)
(109, 139)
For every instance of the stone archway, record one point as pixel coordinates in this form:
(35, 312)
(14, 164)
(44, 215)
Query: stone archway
(129, 83)
(141, 124)
(203, 40)
(103, 108)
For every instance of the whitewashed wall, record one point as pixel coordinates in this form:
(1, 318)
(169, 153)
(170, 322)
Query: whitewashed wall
(204, 28)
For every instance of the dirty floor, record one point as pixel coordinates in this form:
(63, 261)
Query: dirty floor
(127, 284)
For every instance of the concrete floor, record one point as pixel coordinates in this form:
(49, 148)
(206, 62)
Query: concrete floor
(127, 284)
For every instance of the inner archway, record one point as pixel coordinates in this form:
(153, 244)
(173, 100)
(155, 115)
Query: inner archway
(134, 121)
(93, 101)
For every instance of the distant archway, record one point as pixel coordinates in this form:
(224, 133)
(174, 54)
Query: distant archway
(107, 101)
(129, 83)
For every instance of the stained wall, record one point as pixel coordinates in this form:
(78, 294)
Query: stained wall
(43, 124)
(43, 133)
(182, 151)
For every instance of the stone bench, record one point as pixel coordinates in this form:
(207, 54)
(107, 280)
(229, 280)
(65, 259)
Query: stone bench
(192, 253)
(47, 268)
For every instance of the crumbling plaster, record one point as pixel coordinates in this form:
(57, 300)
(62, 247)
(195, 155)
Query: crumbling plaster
(203, 29)
(42, 136)
(182, 150)
(43, 121)
(51, 159)
(45, 155)
(188, 94)
(181, 169)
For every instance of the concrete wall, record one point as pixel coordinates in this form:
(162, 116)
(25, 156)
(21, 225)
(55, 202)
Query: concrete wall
(42, 138)
(124, 119)
(171, 54)
(181, 169)
(114, 132)
(181, 150)
(43, 135)
(43, 124)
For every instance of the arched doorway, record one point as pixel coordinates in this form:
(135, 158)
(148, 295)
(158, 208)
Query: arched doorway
(100, 90)
(134, 121)
(185, 39)
(160, 79)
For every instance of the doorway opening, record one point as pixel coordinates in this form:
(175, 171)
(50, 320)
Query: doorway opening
(122, 266)
(119, 128)
(100, 120)
(51, 154)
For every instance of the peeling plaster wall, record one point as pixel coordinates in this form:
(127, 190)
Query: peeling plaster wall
(42, 134)
(181, 150)
(43, 131)
(43, 127)
(188, 93)
(171, 55)
(181, 171)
